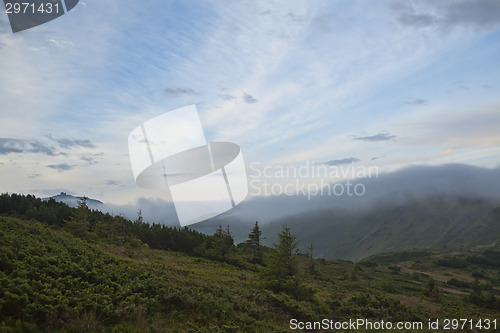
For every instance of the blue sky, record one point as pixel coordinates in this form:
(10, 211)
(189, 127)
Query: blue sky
(385, 83)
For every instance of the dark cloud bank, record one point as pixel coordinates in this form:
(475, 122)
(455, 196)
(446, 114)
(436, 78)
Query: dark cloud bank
(448, 15)
(391, 188)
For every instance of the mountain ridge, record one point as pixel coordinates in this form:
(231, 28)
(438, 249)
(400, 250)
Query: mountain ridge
(73, 201)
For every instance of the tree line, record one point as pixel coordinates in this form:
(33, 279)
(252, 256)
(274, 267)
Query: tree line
(278, 266)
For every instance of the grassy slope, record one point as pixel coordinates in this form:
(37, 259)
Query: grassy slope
(51, 280)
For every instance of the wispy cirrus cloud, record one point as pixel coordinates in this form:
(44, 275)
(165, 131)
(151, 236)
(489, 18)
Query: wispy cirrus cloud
(484, 14)
(376, 137)
(67, 143)
(249, 99)
(18, 146)
(112, 182)
(179, 92)
(458, 86)
(89, 159)
(61, 167)
(228, 97)
(343, 161)
(417, 102)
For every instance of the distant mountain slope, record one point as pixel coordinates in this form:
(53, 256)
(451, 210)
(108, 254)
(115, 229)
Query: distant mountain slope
(431, 222)
(398, 186)
(73, 201)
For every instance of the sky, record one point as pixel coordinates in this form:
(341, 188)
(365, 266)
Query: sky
(384, 84)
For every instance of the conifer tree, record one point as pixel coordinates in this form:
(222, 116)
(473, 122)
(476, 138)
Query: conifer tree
(223, 241)
(475, 296)
(78, 224)
(311, 260)
(282, 268)
(254, 244)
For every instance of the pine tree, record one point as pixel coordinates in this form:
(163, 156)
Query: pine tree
(254, 244)
(282, 268)
(78, 224)
(139, 216)
(219, 232)
(254, 236)
(475, 296)
(432, 289)
(223, 241)
(490, 299)
(311, 260)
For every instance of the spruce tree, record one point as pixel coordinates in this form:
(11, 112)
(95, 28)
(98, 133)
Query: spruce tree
(311, 260)
(254, 244)
(475, 295)
(78, 224)
(223, 241)
(254, 236)
(282, 268)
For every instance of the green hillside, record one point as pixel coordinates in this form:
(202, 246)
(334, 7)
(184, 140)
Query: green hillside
(433, 222)
(93, 273)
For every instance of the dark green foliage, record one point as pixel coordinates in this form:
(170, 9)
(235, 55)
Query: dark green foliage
(395, 269)
(490, 300)
(452, 262)
(310, 264)
(30, 207)
(52, 278)
(489, 258)
(432, 290)
(356, 269)
(218, 246)
(162, 237)
(458, 283)
(254, 244)
(398, 256)
(475, 295)
(282, 268)
(477, 274)
(486, 299)
(79, 224)
(254, 237)
(371, 305)
(368, 264)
